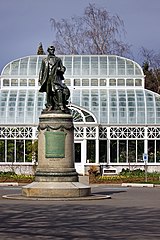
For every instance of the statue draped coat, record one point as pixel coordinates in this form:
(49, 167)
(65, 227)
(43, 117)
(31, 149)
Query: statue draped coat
(57, 70)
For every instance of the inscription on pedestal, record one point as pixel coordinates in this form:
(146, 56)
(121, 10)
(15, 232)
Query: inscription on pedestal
(55, 144)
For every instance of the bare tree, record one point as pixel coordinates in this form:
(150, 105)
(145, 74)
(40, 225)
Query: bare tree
(96, 32)
(151, 57)
(151, 68)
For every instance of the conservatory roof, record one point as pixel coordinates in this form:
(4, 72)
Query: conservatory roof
(85, 65)
(105, 90)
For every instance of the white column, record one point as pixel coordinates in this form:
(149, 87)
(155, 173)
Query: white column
(34, 132)
(108, 145)
(97, 145)
(97, 151)
(83, 154)
(145, 141)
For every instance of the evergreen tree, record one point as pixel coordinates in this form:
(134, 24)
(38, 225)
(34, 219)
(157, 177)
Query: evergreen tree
(151, 68)
(40, 50)
(151, 81)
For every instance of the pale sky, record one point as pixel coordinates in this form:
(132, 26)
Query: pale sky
(25, 23)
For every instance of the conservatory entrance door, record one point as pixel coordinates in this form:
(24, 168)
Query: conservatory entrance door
(78, 153)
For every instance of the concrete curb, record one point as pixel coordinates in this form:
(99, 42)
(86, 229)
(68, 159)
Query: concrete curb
(91, 197)
(137, 185)
(8, 184)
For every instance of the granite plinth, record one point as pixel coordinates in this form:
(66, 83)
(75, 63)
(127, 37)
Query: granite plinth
(67, 176)
(56, 190)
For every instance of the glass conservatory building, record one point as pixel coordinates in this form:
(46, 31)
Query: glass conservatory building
(116, 120)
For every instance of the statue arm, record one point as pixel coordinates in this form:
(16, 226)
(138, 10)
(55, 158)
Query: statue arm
(61, 68)
(41, 72)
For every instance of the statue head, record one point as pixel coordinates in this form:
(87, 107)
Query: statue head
(51, 50)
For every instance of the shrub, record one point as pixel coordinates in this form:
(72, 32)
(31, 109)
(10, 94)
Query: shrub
(137, 172)
(93, 170)
(11, 176)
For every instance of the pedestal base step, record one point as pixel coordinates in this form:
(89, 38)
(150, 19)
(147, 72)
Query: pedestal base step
(56, 190)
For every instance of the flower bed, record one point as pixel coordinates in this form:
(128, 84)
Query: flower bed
(126, 176)
(13, 177)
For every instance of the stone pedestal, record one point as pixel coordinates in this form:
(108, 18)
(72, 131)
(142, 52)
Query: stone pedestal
(55, 174)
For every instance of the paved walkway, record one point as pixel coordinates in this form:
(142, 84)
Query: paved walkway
(131, 213)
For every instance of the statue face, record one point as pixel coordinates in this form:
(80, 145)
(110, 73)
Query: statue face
(51, 50)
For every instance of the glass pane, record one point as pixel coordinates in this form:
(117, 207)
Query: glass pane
(103, 106)
(103, 65)
(130, 82)
(94, 65)
(94, 82)
(140, 107)
(158, 151)
(19, 150)
(151, 150)
(32, 65)
(113, 107)
(85, 65)
(131, 107)
(77, 149)
(103, 82)
(120, 82)
(68, 65)
(150, 108)
(11, 107)
(2, 150)
(122, 151)
(10, 150)
(138, 82)
(122, 107)
(138, 71)
(113, 151)
(30, 107)
(3, 105)
(40, 58)
(5, 82)
(94, 101)
(91, 147)
(21, 106)
(102, 151)
(77, 82)
(14, 67)
(112, 65)
(76, 97)
(76, 65)
(31, 82)
(85, 82)
(157, 101)
(131, 151)
(130, 67)
(28, 151)
(121, 66)
(14, 82)
(112, 82)
(140, 150)
(23, 66)
(23, 82)
(85, 98)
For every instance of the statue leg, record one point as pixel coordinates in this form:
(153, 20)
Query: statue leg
(50, 104)
(60, 99)
(66, 94)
